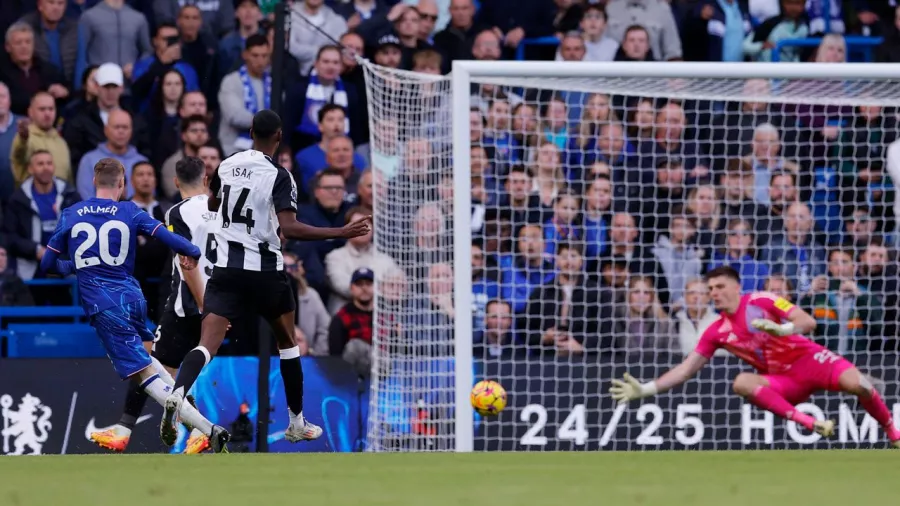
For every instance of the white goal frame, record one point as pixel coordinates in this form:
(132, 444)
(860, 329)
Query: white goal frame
(465, 72)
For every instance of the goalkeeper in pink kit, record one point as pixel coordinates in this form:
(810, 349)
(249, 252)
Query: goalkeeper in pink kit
(765, 331)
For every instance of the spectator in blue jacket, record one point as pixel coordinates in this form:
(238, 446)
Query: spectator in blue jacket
(485, 287)
(795, 252)
(118, 145)
(332, 122)
(522, 273)
(739, 252)
(564, 225)
(327, 209)
(596, 219)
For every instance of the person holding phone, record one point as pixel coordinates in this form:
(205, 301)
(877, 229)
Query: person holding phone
(149, 71)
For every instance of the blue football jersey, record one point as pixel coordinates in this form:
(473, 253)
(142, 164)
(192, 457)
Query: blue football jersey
(99, 235)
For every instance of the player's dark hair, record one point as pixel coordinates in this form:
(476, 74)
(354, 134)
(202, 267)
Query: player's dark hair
(37, 152)
(190, 171)
(108, 172)
(256, 40)
(363, 210)
(266, 124)
(327, 108)
(723, 270)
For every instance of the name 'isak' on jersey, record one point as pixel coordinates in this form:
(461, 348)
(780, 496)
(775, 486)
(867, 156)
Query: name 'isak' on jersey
(242, 172)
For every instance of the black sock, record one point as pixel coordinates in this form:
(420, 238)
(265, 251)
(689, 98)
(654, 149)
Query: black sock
(134, 404)
(292, 376)
(190, 369)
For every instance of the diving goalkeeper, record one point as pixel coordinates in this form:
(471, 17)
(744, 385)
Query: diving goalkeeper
(766, 332)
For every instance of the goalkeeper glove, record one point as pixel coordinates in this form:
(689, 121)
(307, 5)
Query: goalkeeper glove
(775, 329)
(630, 389)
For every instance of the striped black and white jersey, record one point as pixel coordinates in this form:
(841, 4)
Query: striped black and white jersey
(192, 220)
(252, 190)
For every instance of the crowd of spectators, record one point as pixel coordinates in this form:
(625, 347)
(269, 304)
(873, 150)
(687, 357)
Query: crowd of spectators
(573, 253)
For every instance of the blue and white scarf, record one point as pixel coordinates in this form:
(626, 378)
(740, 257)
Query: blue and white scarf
(316, 99)
(251, 101)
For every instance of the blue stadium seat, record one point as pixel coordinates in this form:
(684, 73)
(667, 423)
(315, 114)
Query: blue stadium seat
(55, 340)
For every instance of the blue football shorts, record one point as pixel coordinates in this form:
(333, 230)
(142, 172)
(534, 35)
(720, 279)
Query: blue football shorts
(122, 330)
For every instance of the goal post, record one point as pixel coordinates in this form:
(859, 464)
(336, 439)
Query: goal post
(423, 154)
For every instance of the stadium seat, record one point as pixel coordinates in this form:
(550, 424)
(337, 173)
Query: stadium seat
(53, 341)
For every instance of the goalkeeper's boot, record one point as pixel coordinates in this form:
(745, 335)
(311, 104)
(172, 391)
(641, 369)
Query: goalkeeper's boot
(198, 442)
(300, 429)
(168, 426)
(824, 428)
(115, 439)
(218, 439)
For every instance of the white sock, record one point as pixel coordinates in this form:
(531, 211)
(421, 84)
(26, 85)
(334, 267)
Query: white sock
(163, 373)
(157, 389)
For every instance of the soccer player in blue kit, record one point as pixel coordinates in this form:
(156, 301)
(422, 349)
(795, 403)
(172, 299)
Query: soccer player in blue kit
(100, 234)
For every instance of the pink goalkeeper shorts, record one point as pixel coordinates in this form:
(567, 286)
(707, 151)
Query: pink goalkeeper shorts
(818, 371)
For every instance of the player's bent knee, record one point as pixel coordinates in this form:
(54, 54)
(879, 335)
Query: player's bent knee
(745, 384)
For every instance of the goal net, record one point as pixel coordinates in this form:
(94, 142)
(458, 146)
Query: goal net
(551, 223)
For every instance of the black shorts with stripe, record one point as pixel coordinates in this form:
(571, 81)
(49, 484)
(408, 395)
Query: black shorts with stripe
(175, 337)
(232, 293)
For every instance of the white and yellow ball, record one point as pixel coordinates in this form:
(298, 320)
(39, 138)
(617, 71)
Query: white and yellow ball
(488, 398)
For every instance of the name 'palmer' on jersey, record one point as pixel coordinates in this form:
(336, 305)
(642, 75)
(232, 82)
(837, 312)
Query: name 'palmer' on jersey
(252, 190)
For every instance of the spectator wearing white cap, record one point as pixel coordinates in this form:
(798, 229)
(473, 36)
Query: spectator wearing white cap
(85, 130)
(111, 31)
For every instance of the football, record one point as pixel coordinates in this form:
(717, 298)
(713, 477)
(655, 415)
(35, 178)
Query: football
(488, 398)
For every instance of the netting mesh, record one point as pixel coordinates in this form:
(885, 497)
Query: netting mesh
(597, 206)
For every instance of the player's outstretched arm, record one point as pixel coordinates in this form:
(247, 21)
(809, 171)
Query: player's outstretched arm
(628, 388)
(293, 229)
(177, 243)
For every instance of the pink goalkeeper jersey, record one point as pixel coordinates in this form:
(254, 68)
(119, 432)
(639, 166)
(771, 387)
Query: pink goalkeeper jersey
(768, 354)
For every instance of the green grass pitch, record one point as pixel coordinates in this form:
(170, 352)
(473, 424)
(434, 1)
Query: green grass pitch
(760, 478)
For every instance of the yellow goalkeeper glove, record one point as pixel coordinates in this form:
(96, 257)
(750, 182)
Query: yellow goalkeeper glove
(630, 389)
